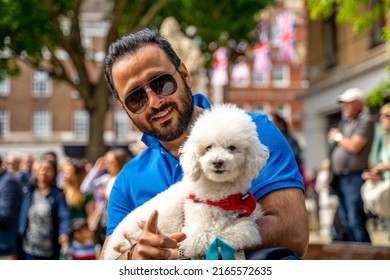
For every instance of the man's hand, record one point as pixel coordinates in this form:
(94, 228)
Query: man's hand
(152, 244)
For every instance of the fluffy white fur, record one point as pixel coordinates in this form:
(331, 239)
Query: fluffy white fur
(221, 156)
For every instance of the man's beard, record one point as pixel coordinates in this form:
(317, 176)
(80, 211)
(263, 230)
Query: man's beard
(185, 114)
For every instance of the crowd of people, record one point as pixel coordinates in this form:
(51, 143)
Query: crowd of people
(358, 153)
(50, 207)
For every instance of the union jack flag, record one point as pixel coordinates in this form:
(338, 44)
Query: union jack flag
(219, 75)
(261, 51)
(285, 22)
(240, 71)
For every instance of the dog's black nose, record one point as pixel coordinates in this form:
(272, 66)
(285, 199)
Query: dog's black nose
(218, 163)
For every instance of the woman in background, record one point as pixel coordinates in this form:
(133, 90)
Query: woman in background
(81, 205)
(380, 157)
(44, 224)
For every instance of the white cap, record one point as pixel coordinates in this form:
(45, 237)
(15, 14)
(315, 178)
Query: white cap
(351, 94)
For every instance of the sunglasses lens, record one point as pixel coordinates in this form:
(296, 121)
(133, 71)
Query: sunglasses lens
(164, 85)
(136, 101)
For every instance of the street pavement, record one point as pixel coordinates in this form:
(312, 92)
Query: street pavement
(377, 231)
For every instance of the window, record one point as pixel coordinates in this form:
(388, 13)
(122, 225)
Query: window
(331, 42)
(4, 123)
(81, 124)
(275, 34)
(377, 25)
(284, 110)
(121, 124)
(41, 124)
(4, 86)
(40, 84)
(261, 78)
(260, 108)
(280, 76)
(86, 40)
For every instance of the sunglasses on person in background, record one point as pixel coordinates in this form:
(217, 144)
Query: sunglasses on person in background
(137, 100)
(384, 116)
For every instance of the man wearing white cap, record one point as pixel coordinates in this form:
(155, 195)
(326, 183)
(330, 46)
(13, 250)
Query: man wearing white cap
(351, 145)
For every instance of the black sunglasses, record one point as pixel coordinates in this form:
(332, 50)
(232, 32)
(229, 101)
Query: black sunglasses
(137, 100)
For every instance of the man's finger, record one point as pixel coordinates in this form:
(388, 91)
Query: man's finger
(178, 236)
(131, 239)
(151, 224)
(121, 248)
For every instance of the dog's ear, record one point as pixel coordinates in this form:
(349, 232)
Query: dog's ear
(189, 160)
(258, 155)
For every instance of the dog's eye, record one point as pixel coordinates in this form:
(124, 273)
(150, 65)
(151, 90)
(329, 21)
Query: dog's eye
(231, 148)
(208, 148)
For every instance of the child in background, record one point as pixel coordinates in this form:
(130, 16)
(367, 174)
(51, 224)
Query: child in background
(82, 246)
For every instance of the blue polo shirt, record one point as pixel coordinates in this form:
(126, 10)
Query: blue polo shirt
(154, 170)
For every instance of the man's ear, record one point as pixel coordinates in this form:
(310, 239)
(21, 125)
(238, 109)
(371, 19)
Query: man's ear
(186, 74)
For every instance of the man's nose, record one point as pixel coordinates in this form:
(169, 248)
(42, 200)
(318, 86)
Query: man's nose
(155, 100)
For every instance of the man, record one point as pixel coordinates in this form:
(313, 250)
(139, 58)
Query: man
(10, 201)
(349, 157)
(153, 86)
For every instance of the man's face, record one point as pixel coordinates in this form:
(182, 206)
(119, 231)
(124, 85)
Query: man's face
(165, 117)
(351, 109)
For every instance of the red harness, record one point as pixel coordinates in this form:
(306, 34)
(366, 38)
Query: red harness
(245, 202)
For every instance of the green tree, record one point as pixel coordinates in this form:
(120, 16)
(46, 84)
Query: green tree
(357, 13)
(27, 27)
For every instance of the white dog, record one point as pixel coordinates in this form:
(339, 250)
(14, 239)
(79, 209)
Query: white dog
(220, 158)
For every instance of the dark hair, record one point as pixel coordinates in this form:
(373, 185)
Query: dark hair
(121, 156)
(53, 165)
(78, 224)
(131, 43)
(281, 121)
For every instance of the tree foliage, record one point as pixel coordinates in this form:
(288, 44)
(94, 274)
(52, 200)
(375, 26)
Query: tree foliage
(349, 11)
(33, 30)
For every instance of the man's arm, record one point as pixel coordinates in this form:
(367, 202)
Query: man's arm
(9, 196)
(354, 144)
(284, 222)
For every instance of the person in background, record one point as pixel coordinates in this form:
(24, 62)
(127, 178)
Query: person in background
(52, 155)
(327, 202)
(81, 205)
(99, 181)
(44, 221)
(10, 201)
(13, 164)
(351, 145)
(154, 87)
(82, 246)
(281, 123)
(380, 160)
(26, 165)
